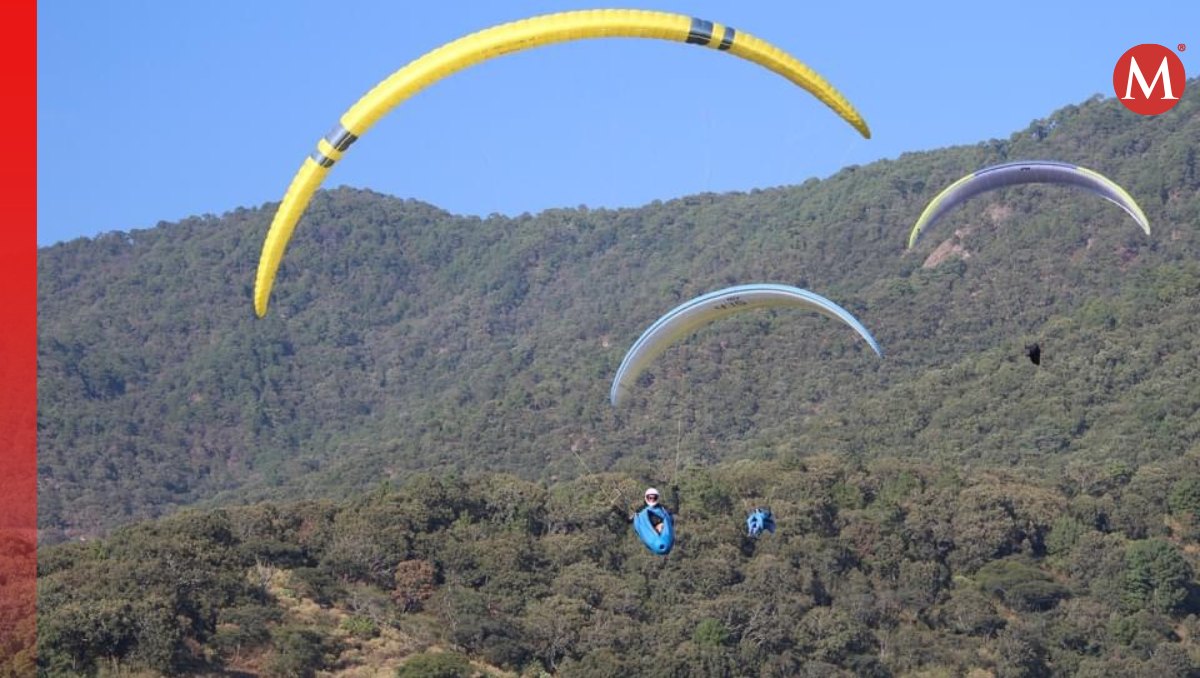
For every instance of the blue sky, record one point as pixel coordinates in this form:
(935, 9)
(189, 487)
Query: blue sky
(154, 111)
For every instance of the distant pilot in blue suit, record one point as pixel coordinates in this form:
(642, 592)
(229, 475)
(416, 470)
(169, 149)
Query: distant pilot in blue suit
(760, 519)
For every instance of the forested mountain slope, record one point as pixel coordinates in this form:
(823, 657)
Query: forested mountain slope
(880, 569)
(402, 337)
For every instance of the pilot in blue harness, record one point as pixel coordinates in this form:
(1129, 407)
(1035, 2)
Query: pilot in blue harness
(760, 519)
(654, 523)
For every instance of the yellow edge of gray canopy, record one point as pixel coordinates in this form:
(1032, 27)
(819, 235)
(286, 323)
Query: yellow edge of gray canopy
(1026, 172)
(506, 39)
(689, 316)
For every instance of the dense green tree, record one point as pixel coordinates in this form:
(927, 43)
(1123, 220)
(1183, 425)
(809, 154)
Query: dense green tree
(435, 665)
(1157, 576)
(1020, 585)
(299, 653)
(1184, 498)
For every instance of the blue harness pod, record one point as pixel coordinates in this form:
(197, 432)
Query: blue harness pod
(760, 519)
(659, 544)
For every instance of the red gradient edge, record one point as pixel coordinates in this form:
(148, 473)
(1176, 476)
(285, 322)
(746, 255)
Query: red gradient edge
(18, 342)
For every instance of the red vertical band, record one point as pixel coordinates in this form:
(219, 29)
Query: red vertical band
(18, 337)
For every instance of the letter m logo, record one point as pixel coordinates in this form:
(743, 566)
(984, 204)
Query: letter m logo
(1158, 93)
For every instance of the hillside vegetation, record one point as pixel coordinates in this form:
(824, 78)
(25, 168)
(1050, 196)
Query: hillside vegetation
(405, 338)
(410, 465)
(887, 569)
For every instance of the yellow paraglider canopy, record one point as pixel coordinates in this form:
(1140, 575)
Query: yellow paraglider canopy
(506, 39)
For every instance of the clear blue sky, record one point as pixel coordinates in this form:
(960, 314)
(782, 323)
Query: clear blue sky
(154, 111)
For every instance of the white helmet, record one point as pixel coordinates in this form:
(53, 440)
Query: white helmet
(649, 492)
